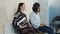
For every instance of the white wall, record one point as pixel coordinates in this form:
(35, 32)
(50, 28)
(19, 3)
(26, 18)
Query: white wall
(7, 10)
(44, 11)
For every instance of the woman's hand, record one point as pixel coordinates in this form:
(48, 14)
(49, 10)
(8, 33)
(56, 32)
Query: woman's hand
(42, 25)
(22, 26)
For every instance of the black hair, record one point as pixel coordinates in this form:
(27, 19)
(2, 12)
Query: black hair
(35, 7)
(19, 7)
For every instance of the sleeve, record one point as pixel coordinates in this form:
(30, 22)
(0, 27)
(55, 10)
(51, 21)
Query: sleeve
(16, 16)
(21, 21)
(19, 18)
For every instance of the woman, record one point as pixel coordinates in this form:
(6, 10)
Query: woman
(20, 22)
(36, 22)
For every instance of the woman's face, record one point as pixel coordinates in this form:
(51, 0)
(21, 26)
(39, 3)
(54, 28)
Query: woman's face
(38, 9)
(23, 7)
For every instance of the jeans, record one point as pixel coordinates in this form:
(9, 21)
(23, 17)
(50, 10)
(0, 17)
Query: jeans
(47, 29)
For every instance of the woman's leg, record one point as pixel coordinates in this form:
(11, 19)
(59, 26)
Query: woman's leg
(47, 29)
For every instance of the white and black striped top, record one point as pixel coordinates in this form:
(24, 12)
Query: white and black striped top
(20, 19)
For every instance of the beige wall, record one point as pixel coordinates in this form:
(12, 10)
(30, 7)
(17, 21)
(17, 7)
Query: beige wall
(7, 10)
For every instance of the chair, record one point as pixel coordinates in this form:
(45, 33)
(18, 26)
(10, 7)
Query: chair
(9, 29)
(55, 22)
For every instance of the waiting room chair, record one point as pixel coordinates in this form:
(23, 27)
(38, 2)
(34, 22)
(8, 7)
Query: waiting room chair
(56, 23)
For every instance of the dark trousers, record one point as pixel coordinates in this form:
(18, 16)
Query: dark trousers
(47, 29)
(26, 30)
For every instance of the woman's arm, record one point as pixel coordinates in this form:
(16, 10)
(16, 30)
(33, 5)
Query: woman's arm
(18, 19)
(22, 26)
(42, 25)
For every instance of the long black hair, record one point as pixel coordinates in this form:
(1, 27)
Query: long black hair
(19, 7)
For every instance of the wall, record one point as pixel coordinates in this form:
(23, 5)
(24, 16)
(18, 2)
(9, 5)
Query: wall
(7, 10)
(54, 9)
(44, 14)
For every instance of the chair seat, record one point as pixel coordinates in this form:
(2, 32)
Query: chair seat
(9, 29)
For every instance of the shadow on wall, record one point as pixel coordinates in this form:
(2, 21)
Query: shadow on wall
(53, 12)
(54, 9)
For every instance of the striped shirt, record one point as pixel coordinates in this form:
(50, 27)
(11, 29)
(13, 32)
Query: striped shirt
(20, 19)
